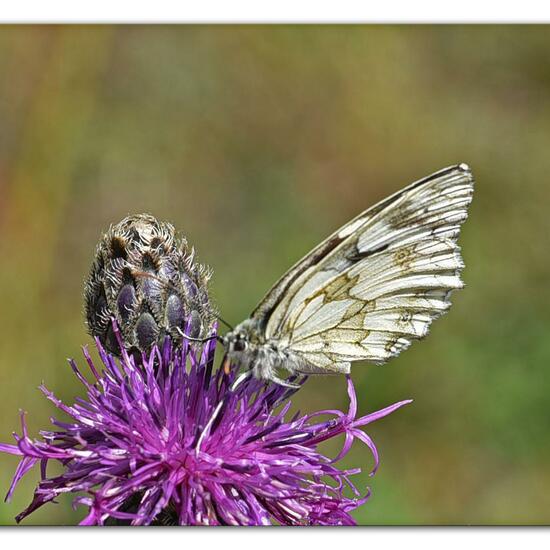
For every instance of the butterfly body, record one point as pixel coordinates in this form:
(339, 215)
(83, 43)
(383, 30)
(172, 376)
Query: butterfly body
(247, 347)
(367, 291)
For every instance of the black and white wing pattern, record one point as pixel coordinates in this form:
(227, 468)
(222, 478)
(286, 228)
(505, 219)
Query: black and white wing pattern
(377, 283)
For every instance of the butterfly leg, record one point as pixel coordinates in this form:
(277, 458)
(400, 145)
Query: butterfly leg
(265, 368)
(284, 383)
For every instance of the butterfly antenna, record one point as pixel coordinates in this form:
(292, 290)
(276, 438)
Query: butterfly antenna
(225, 323)
(168, 284)
(201, 340)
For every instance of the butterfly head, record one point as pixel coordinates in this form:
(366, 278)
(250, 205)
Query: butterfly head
(236, 342)
(242, 343)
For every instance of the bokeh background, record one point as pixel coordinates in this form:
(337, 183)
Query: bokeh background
(257, 142)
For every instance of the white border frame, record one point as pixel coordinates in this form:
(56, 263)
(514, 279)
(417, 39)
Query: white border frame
(282, 11)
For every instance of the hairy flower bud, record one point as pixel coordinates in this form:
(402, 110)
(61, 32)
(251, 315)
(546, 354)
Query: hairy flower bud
(145, 277)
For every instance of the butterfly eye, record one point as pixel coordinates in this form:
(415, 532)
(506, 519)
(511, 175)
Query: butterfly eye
(240, 344)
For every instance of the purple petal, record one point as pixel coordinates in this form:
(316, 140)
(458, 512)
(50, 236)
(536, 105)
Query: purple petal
(364, 420)
(165, 439)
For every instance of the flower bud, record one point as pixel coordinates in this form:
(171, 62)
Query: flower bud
(145, 277)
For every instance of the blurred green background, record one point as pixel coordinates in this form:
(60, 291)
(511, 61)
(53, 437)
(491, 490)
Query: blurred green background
(257, 142)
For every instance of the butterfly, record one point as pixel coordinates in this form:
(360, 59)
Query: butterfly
(366, 292)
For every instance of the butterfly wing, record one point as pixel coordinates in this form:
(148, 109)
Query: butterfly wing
(377, 283)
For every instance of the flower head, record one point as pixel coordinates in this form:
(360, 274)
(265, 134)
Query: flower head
(164, 438)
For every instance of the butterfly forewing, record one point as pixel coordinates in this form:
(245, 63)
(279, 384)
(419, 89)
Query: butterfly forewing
(377, 283)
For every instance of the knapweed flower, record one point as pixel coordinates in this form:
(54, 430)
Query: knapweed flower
(166, 439)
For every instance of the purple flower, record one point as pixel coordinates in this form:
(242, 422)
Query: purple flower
(164, 439)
